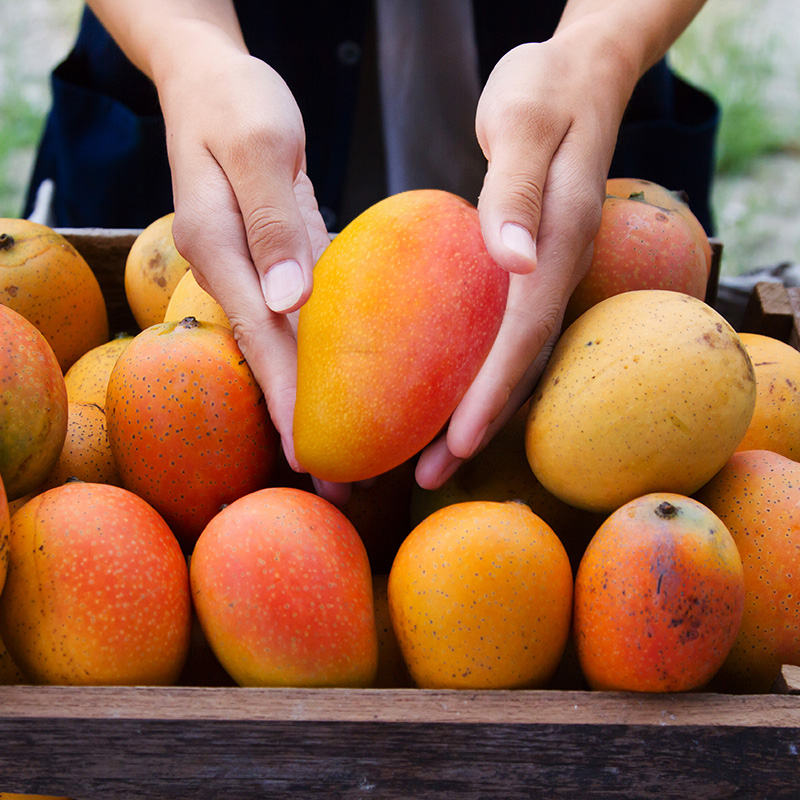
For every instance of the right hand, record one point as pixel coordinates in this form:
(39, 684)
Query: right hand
(245, 213)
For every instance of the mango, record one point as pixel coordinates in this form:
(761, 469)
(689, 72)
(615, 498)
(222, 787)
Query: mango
(406, 305)
(757, 496)
(659, 596)
(46, 280)
(647, 391)
(480, 597)
(282, 588)
(648, 239)
(33, 405)
(153, 269)
(776, 420)
(97, 591)
(187, 423)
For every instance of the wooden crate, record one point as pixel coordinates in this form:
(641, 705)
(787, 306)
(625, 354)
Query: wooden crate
(215, 742)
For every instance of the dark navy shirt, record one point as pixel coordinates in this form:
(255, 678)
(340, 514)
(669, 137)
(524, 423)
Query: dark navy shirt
(104, 144)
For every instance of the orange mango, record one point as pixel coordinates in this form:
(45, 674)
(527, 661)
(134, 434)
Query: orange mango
(283, 592)
(757, 495)
(406, 304)
(44, 278)
(659, 595)
(480, 597)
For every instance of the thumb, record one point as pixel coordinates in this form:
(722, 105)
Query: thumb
(519, 142)
(510, 204)
(280, 246)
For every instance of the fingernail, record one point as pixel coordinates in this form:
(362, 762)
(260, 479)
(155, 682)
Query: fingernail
(282, 285)
(518, 240)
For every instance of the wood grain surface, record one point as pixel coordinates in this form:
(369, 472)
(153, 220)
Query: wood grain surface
(190, 742)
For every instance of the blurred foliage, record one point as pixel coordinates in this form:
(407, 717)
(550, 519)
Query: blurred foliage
(732, 51)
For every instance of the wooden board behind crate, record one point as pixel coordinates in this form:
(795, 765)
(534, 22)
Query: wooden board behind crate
(774, 310)
(198, 743)
(106, 251)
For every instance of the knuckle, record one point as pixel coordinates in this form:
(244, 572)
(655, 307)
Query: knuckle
(268, 227)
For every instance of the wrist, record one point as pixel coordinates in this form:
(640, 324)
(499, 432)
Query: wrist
(190, 45)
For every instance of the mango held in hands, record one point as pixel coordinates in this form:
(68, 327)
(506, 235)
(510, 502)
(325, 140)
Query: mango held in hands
(406, 305)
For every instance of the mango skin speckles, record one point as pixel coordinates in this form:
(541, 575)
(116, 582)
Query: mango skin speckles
(480, 597)
(776, 420)
(97, 591)
(659, 595)
(757, 496)
(648, 391)
(406, 305)
(282, 587)
(46, 280)
(33, 405)
(188, 424)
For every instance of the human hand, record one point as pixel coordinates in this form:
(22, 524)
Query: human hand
(245, 213)
(547, 121)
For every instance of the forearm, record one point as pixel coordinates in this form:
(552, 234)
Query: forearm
(637, 32)
(155, 34)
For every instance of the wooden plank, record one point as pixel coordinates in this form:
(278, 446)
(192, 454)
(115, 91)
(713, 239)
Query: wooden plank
(205, 743)
(105, 251)
(793, 294)
(769, 311)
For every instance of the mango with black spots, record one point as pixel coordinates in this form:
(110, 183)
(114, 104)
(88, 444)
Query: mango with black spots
(480, 597)
(776, 419)
(757, 495)
(659, 595)
(33, 405)
(188, 423)
(87, 378)
(153, 268)
(44, 278)
(648, 391)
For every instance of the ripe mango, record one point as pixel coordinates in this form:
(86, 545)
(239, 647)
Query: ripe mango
(406, 304)
(33, 405)
(659, 596)
(648, 391)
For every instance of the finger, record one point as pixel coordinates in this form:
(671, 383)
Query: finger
(264, 173)
(336, 493)
(222, 257)
(518, 137)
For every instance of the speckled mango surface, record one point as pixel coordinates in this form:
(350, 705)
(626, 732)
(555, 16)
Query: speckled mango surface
(33, 405)
(776, 419)
(87, 378)
(153, 269)
(480, 597)
(659, 595)
(282, 587)
(97, 591)
(44, 278)
(757, 496)
(406, 304)
(188, 424)
(648, 391)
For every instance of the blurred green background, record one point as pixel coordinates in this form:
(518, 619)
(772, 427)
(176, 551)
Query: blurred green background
(745, 53)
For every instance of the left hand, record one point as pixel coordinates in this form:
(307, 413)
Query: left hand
(547, 122)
